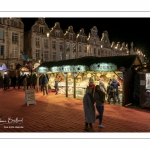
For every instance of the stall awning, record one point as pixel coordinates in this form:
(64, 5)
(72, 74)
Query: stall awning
(119, 61)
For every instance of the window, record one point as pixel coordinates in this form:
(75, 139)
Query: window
(57, 34)
(1, 50)
(45, 55)
(85, 49)
(99, 53)
(41, 30)
(1, 34)
(80, 56)
(74, 48)
(79, 48)
(94, 51)
(14, 52)
(67, 56)
(37, 54)
(53, 44)
(61, 56)
(61, 46)
(70, 36)
(14, 37)
(15, 24)
(46, 43)
(67, 47)
(54, 56)
(37, 42)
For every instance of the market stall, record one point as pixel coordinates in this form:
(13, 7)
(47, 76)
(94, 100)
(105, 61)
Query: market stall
(74, 75)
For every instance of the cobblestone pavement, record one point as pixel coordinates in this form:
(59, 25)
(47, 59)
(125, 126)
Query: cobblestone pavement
(56, 113)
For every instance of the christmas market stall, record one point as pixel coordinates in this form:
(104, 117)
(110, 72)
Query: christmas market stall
(74, 75)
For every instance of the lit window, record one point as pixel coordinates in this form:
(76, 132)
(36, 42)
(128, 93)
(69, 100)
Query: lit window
(37, 54)
(61, 56)
(54, 56)
(46, 55)
(14, 52)
(67, 47)
(74, 48)
(14, 37)
(53, 44)
(37, 42)
(67, 56)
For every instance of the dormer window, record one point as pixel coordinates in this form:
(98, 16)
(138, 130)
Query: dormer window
(57, 34)
(41, 29)
(70, 37)
(15, 24)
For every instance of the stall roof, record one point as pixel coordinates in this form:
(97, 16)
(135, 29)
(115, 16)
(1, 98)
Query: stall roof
(120, 61)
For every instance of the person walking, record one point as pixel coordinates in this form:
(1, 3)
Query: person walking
(56, 86)
(99, 98)
(110, 93)
(45, 84)
(89, 109)
(115, 85)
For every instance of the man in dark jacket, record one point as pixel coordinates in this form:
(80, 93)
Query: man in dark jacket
(115, 85)
(45, 84)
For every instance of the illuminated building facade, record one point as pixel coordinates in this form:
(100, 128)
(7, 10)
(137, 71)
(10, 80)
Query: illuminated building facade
(11, 41)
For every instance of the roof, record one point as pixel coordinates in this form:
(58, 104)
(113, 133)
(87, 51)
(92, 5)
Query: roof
(120, 61)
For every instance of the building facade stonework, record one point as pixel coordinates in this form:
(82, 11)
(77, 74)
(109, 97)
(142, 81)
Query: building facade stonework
(42, 43)
(11, 41)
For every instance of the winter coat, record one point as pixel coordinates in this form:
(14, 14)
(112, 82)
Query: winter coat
(115, 85)
(99, 98)
(89, 109)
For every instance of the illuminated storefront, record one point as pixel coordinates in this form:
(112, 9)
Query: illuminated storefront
(74, 75)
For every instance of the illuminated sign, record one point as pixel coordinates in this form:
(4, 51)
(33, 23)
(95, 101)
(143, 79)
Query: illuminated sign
(42, 69)
(103, 67)
(78, 68)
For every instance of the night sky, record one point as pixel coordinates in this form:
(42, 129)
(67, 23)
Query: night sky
(136, 30)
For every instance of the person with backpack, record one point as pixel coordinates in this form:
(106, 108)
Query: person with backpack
(45, 84)
(110, 93)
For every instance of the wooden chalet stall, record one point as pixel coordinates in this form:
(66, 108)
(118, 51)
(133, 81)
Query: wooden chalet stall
(144, 89)
(74, 74)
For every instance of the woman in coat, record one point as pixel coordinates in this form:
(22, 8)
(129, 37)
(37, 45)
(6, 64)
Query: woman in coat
(89, 109)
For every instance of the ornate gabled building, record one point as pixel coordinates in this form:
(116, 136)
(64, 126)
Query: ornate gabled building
(43, 44)
(105, 45)
(93, 42)
(56, 39)
(11, 41)
(36, 42)
(70, 44)
(81, 39)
